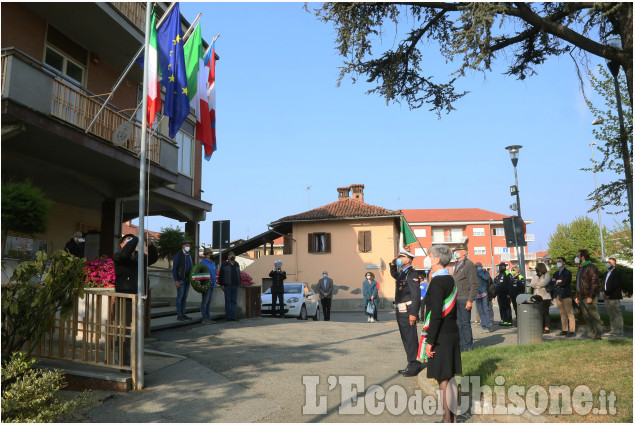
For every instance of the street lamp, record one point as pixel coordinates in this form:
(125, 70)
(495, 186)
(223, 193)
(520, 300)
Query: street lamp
(614, 67)
(513, 153)
(596, 191)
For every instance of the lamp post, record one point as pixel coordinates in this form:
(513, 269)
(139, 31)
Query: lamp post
(614, 67)
(596, 190)
(520, 250)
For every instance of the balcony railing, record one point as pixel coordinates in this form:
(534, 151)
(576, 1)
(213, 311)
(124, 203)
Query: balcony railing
(449, 239)
(135, 11)
(4, 71)
(76, 107)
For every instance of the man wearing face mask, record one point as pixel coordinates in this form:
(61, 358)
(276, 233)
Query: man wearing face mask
(325, 289)
(503, 288)
(181, 266)
(76, 245)
(277, 288)
(229, 279)
(612, 296)
(563, 298)
(517, 288)
(466, 280)
(407, 300)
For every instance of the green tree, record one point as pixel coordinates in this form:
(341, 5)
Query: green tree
(611, 158)
(581, 233)
(37, 290)
(619, 244)
(473, 34)
(170, 242)
(24, 209)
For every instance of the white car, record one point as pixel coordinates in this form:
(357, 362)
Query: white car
(299, 302)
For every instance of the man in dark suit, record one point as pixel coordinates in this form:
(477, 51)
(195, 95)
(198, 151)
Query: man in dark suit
(466, 280)
(325, 289)
(407, 300)
(612, 288)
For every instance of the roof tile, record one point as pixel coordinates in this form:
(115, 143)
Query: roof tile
(341, 209)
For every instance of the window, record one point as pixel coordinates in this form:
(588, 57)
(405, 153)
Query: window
(65, 56)
(319, 243)
(498, 231)
(23, 248)
(363, 241)
(420, 233)
(478, 231)
(287, 247)
(185, 142)
(437, 235)
(479, 250)
(498, 250)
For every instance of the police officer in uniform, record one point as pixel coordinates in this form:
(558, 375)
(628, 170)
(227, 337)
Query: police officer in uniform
(517, 288)
(407, 301)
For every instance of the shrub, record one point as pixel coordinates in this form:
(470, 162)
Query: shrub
(29, 395)
(100, 273)
(170, 242)
(24, 209)
(37, 290)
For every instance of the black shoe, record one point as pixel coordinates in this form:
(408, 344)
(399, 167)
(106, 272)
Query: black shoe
(234, 320)
(227, 319)
(411, 372)
(186, 317)
(546, 331)
(400, 371)
(563, 333)
(570, 334)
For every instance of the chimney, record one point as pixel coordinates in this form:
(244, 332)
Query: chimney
(343, 193)
(358, 192)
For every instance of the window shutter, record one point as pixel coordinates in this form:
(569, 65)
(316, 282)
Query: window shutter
(311, 243)
(367, 243)
(327, 242)
(360, 241)
(287, 247)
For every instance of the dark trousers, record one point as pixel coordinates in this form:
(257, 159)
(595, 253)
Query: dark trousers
(513, 300)
(408, 336)
(504, 308)
(326, 306)
(463, 319)
(277, 298)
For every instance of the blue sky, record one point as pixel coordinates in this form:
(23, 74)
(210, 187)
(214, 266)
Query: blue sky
(282, 125)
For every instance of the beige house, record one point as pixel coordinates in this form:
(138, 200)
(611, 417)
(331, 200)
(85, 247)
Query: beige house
(347, 238)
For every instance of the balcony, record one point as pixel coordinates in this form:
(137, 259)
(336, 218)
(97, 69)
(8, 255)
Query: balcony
(508, 256)
(449, 239)
(30, 83)
(134, 11)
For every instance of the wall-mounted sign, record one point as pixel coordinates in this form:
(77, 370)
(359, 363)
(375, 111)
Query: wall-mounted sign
(373, 266)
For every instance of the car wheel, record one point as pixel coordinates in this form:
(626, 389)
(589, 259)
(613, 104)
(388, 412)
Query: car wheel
(317, 313)
(303, 315)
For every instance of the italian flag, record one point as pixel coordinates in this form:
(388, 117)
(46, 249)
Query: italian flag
(197, 74)
(154, 91)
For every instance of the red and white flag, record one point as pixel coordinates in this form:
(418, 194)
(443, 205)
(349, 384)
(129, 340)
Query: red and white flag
(210, 62)
(154, 91)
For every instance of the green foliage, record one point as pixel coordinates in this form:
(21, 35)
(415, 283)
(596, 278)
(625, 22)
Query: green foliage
(29, 395)
(37, 290)
(581, 233)
(470, 34)
(24, 209)
(170, 241)
(608, 135)
(620, 242)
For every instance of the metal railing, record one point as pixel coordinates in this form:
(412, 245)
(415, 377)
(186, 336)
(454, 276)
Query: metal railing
(4, 71)
(100, 332)
(135, 11)
(76, 107)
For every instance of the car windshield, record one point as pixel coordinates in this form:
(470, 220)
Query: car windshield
(293, 289)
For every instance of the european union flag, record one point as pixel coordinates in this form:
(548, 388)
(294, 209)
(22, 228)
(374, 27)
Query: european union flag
(172, 63)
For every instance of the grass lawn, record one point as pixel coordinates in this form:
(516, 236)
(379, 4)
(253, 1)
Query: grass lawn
(628, 319)
(600, 365)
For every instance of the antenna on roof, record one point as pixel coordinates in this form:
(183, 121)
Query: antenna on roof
(307, 196)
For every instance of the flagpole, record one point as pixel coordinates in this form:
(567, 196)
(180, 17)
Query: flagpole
(210, 46)
(141, 269)
(190, 30)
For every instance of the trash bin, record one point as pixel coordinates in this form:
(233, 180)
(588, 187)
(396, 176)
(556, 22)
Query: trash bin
(529, 319)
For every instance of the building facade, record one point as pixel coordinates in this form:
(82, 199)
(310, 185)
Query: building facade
(60, 62)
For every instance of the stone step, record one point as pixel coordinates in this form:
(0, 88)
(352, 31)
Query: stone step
(167, 322)
(157, 304)
(163, 311)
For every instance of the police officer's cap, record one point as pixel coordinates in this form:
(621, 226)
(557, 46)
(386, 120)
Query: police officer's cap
(126, 236)
(503, 265)
(404, 253)
(207, 251)
(462, 246)
(277, 263)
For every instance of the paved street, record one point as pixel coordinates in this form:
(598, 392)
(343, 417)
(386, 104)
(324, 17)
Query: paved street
(251, 371)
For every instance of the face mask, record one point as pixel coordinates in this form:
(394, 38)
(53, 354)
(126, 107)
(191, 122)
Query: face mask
(324, 275)
(577, 260)
(559, 265)
(368, 277)
(609, 266)
(457, 255)
(399, 262)
(427, 263)
(232, 258)
(479, 268)
(502, 270)
(187, 249)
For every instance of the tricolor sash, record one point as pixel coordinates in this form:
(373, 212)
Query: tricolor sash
(448, 304)
(201, 276)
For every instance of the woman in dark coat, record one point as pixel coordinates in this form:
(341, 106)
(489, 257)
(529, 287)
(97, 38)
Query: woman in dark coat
(369, 290)
(442, 344)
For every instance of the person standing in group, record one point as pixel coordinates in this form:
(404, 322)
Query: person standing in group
(491, 294)
(423, 286)
(76, 246)
(587, 290)
(443, 340)
(277, 288)
(564, 302)
(126, 262)
(503, 289)
(466, 280)
(481, 297)
(369, 290)
(612, 296)
(517, 288)
(206, 298)
(325, 289)
(407, 300)
(539, 283)
(181, 266)
(229, 279)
